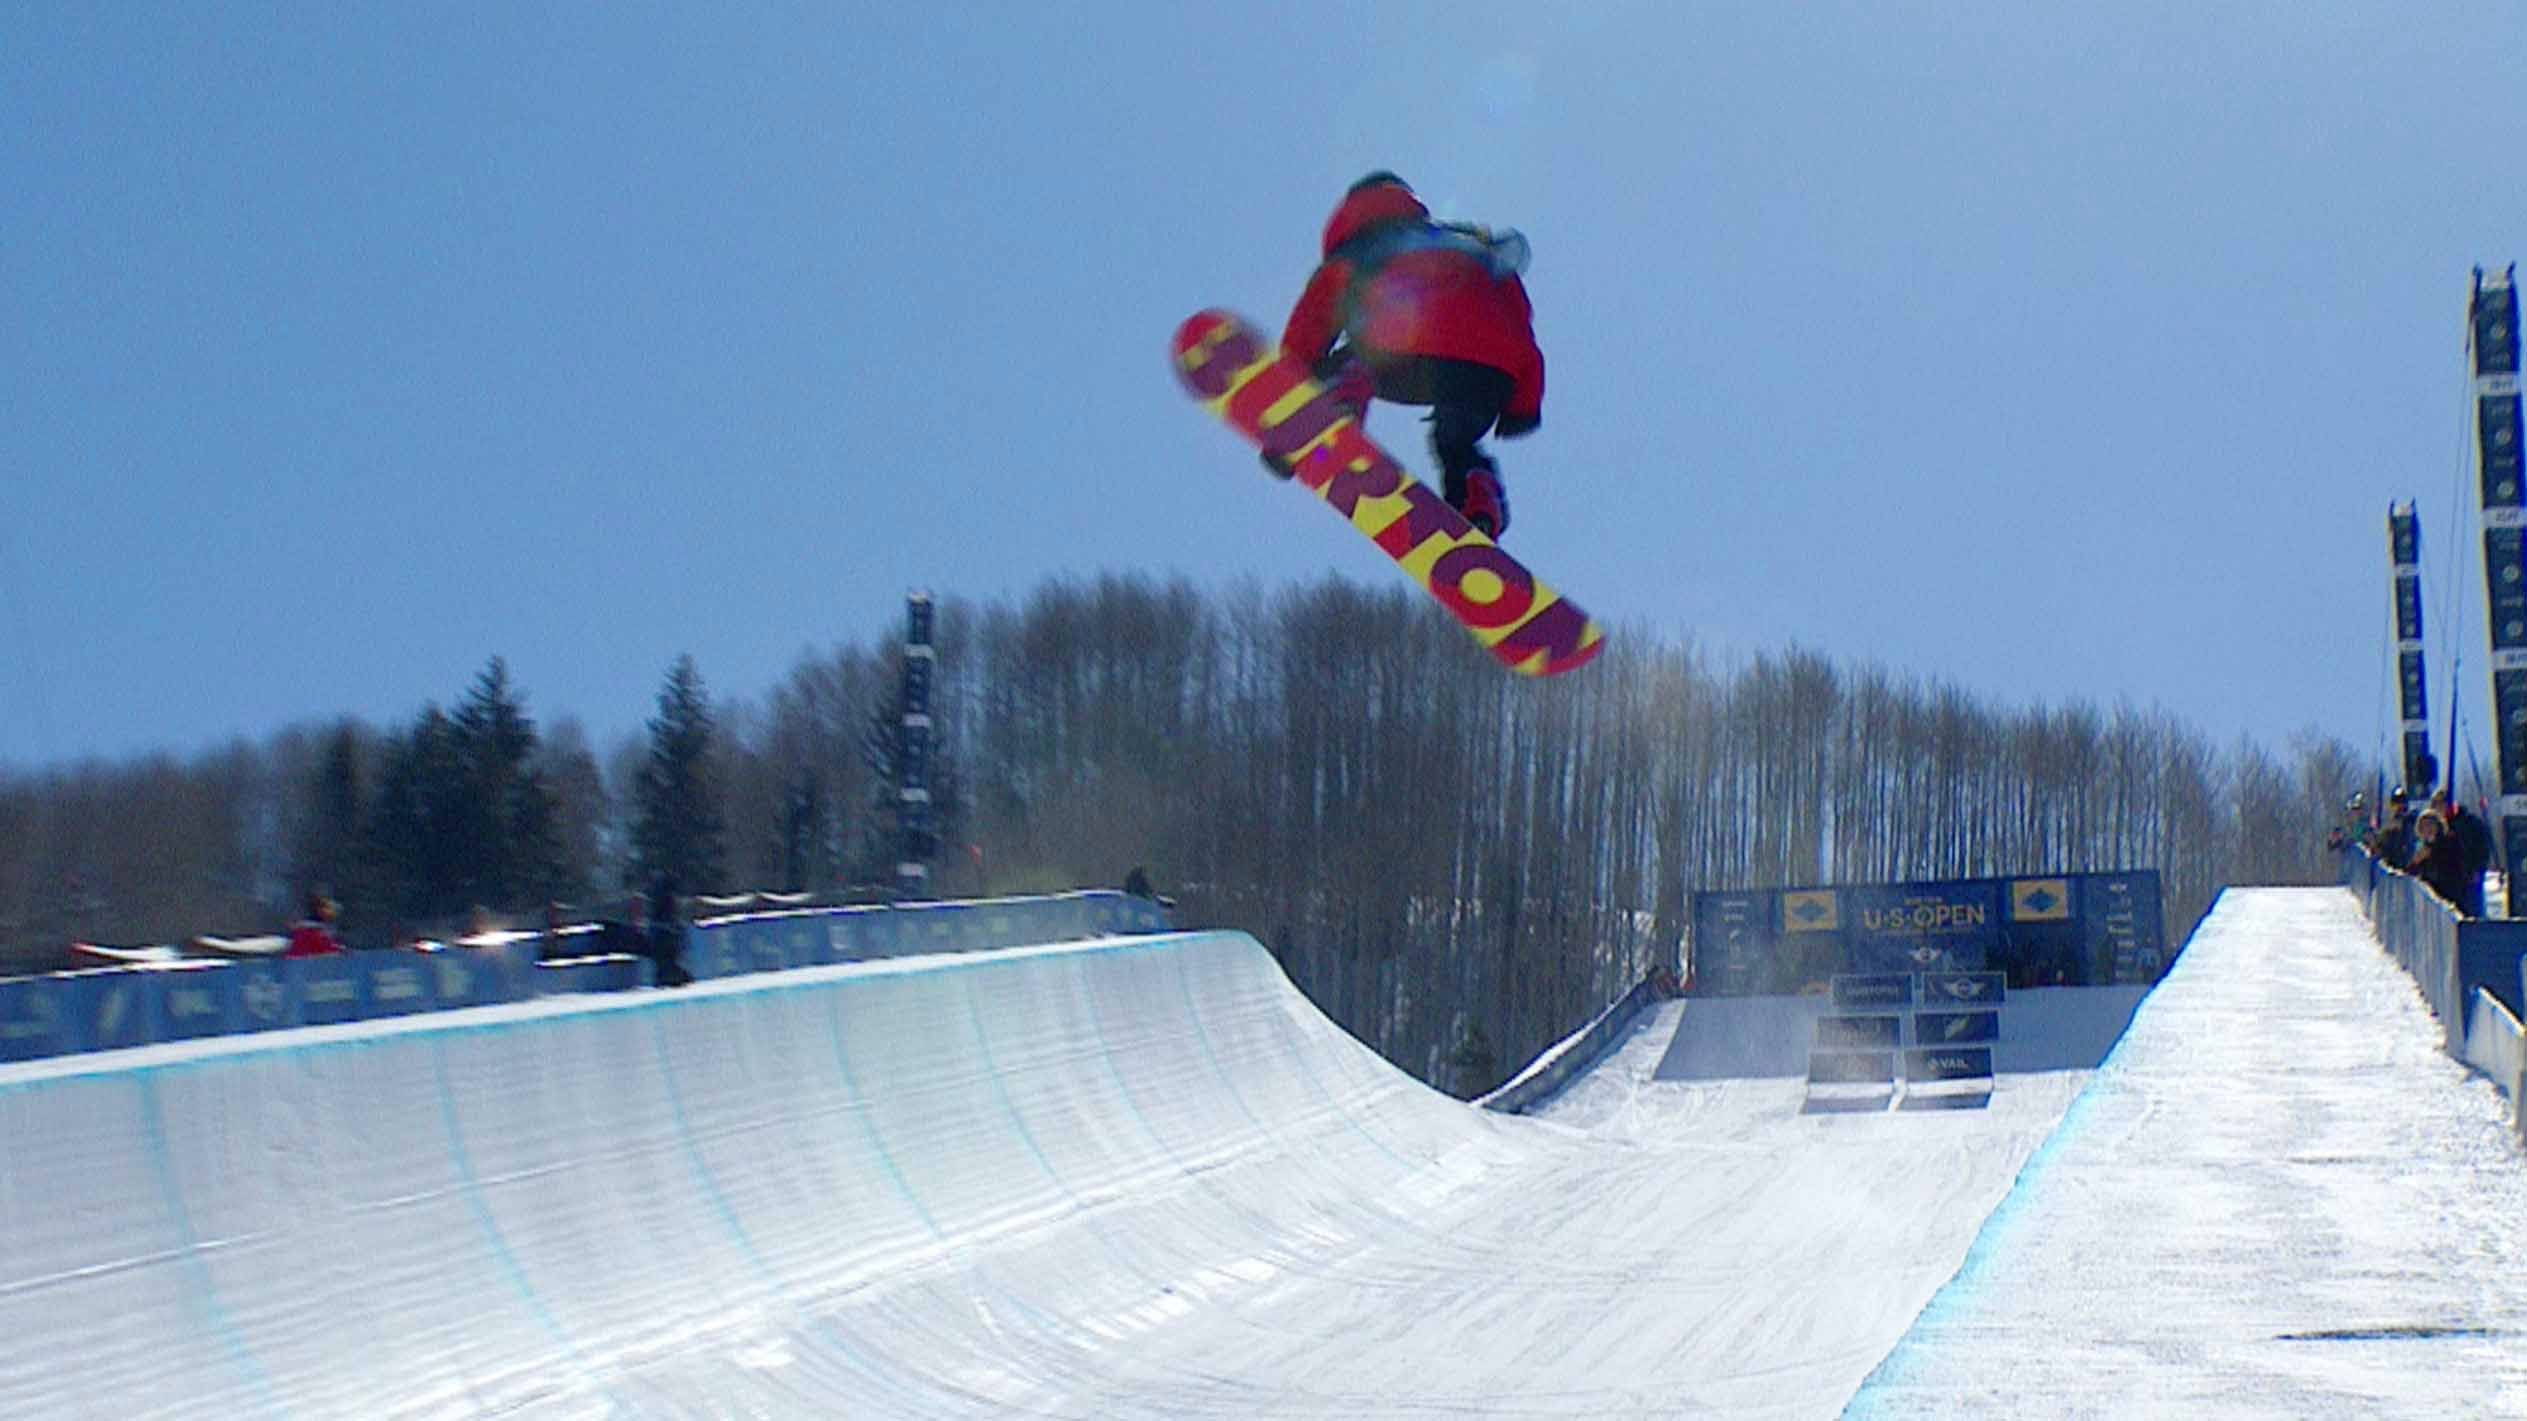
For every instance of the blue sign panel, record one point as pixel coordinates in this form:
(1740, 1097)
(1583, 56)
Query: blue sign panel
(1923, 927)
(38, 1018)
(258, 996)
(395, 983)
(717, 950)
(1949, 1063)
(1956, 1028)
(1885, 989)
(1859, 1032)
(1943, 989)
(120, 1008)
(328, 988)
(1732, 943)
(2067, 929)
(801, 940)
(194, 1002)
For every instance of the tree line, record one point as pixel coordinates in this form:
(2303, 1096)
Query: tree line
(1458, 865)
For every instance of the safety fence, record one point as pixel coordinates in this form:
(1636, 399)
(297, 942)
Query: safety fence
(117, 1008)
(2473, 972)
(1576, 1053)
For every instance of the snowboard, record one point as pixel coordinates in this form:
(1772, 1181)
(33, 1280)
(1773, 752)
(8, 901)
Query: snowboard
(1284, 411)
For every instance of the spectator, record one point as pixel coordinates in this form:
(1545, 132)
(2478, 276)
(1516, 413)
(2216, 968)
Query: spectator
(666, 935)
(2438, 861)
(313, 936)
(2472, 839)
(1138, 885)
(2395, 842)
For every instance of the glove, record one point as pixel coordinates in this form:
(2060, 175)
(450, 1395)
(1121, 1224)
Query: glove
(1518, 426)
(1350, 379)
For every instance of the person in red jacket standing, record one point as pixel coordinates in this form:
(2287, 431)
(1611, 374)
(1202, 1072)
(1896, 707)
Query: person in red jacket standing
(1429, 314)
(312, 936)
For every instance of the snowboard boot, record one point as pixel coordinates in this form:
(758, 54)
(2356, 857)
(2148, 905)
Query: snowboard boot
(1483, 501)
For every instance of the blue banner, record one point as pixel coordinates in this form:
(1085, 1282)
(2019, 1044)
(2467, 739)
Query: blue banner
(1884, 989)
(1956, 1028)
(38, 1018)
(120, 1007)
(2069, 929)
(1949, 1063)
(393, 983)
(1951, 989)
(1859, 1032)
(194, 1001)
(1733, 939)
(1923, 927)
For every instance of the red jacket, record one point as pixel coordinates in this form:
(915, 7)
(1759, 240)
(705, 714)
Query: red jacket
(1424, 295)
(311, 938)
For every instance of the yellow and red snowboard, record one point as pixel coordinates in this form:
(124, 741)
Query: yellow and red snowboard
(1275, 403)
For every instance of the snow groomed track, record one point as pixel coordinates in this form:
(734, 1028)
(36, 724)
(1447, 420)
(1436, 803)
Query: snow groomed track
(1125, 1178)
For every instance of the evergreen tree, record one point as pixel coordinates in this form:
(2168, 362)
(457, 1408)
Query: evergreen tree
(327, 855)
(509, 849)
(414, 827)
(676, 828)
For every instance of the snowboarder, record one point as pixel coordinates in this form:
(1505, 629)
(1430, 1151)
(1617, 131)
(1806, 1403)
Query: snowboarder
(1431, 314)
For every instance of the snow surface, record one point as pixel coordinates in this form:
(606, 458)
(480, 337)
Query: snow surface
(1131, 1178)
(2279, 1198)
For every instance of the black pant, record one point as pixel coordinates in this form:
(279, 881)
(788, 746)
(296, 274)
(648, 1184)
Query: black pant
(1465, 401)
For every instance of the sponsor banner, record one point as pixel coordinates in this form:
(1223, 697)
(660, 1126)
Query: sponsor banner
(1956, 1028)
(38, 1018)
(2497, 434)
(1869, 1032)
(1811, 911)
(1885, 989)
(2126, 928)
(719, 950)
(1948, 1063)
(2505, 582)
(936, 927)
(1732, 943)
(2040, 900)
(1923, 927)
(194, 1001)
(1963, 988)
(849, 934)
(1007, 929)
(803, 942)
(120, 1008)
(2495, 317)
(327, 989)
(1850, 1067)
(769, 946)
(2509, 727)
(395, 983)
(259, 996)
(2059, 929)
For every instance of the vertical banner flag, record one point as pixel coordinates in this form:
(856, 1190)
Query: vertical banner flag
(2404, 550)
(2492, 334)
(912, 755)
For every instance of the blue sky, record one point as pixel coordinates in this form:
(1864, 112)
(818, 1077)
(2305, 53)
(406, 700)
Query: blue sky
(2066, 350)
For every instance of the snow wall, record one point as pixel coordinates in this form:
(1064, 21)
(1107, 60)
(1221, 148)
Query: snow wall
(516, 1206)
